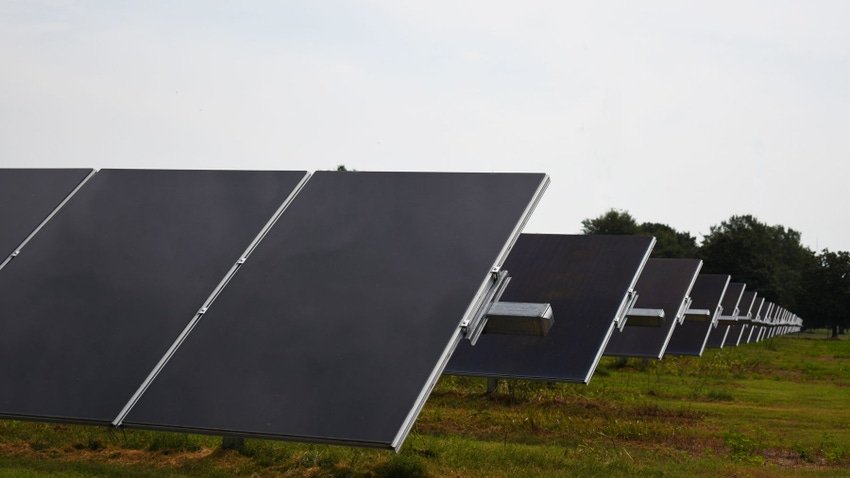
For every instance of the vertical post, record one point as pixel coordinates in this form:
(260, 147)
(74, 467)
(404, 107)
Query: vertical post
(492, 384)
(233, 443)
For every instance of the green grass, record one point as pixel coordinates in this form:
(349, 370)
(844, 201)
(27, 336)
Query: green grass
(777, 408)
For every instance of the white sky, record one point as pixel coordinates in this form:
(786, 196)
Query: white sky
(683, 113)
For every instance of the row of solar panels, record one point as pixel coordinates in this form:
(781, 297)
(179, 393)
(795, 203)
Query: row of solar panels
(313, 307)
(610, 300)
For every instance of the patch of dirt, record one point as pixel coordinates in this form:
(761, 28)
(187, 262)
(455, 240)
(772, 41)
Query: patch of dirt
(118, 456)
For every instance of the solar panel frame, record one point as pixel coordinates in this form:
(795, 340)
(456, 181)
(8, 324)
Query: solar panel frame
(690, 338)
(28, 199)
(342, 234)
(663, 284)
(112, 279)
(736, 332)
(718, 335)
(588, 280)
(757, 318)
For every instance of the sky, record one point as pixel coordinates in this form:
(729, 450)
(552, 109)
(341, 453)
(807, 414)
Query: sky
(682, 113)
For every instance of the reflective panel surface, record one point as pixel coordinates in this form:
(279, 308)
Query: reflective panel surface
(663, 284)
(108, 284)
(27, 197)
(689, 338)
(334, 328)
(586, 279)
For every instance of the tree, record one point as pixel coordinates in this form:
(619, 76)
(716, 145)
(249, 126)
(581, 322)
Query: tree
(769, 259)
(612, 222)
(669, 242)
(827, 298)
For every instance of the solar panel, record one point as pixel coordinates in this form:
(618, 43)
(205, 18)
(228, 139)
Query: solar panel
(689, 338)
(27, 198)
(736, 332)
(337, 327)
(717, 336)
(664, 284)
(587, 280)
(758, 315)
(103, 290)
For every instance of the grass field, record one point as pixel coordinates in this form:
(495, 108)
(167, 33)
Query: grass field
(777, 408)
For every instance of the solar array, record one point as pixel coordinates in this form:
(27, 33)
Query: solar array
(319, 307)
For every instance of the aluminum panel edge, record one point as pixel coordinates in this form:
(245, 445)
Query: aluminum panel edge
(407, 425)
(620, 319)
(41, 225)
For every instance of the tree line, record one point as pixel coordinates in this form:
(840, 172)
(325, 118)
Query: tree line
(815, 285)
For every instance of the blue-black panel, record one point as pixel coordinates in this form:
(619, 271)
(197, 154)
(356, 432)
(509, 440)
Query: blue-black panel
(108, 284)
(664, 284)
(718, 335)
(586, 280)
(689, 337)
(337, 326)
(27, 197)
(738, 332)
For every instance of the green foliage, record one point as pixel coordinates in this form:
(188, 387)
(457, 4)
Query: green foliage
(670, 243)
(827, 299)
(403, 465)
(172, 442)
(743, 448)
(612, 222)
(769, 259)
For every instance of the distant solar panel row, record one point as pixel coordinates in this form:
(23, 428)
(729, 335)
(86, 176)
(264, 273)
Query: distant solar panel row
(588, 281)
(665, 284)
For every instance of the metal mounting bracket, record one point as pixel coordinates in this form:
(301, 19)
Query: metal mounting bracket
(697, 315)
(519, 318)
(645, 317)
(510, 318)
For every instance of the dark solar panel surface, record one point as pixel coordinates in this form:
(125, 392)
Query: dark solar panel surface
(108, 284)
(689, 337)
(663, 284)
(27, 197)
(586, 280)
(337, 323)
(718, 335)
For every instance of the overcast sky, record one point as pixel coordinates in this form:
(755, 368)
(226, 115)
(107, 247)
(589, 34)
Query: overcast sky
(683, 113)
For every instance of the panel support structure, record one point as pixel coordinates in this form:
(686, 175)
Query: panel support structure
(645, 318)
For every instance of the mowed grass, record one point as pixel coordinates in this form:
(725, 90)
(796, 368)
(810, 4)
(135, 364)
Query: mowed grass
(777, 408)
